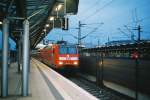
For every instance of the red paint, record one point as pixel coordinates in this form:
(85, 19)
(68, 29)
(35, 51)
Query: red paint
(51, 56)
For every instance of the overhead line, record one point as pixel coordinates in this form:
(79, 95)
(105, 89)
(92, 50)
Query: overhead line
(91, 7)
(140, 20)
(98, 10)
(94, 30)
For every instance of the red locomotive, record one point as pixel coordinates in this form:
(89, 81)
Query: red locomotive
(60, 56)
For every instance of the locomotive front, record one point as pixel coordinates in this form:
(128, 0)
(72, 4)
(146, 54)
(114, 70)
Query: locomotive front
(68, 56)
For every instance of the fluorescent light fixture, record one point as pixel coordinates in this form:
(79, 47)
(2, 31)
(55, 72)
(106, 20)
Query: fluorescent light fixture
(47, 25)
(51, 18)
(44, 30)
(58, 7)
(1, 22)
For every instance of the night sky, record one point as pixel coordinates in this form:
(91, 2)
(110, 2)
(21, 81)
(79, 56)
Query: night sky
(114, 14)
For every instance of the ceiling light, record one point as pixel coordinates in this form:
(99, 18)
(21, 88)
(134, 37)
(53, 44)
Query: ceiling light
(47, 25)
(51, 18)
(44, 30)
(1, 23)
(58, 7)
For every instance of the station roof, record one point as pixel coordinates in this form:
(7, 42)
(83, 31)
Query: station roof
(42, 14)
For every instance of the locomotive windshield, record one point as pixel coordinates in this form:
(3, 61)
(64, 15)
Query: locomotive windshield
(67, 50)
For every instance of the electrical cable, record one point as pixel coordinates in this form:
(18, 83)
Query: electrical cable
(98, 10)
(91, 7)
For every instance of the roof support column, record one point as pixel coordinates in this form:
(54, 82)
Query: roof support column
(4, 84)
(26, 59)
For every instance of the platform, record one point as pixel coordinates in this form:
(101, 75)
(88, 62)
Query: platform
(44, 84)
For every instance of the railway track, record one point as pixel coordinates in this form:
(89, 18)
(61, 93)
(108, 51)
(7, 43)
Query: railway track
(101, 93)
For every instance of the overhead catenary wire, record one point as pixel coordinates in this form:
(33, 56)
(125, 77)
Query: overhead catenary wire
(98, 10)
(94, 30)
(126, 29)
(124, 33)
(132, 33)
(139, 20)
(91, 7)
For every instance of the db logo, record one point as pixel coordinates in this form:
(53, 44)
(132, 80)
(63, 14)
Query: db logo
(68, 57)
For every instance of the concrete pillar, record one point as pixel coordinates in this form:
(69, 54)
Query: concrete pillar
(26, 59)
(4, 84)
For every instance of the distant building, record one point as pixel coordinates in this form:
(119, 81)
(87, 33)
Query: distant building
(119, 42)
(123, 42)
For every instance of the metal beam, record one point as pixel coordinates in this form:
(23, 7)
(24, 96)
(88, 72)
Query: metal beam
(51, 2)
(20, 8)
(26, 59)
(35, 13)
(39, 39)
(36, 8)
(4, 87)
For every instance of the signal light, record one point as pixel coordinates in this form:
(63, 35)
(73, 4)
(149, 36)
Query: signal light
(65, 23)
(135, 55)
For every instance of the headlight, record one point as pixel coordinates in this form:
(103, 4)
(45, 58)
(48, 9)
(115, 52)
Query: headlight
(75, 63)
(60, 63)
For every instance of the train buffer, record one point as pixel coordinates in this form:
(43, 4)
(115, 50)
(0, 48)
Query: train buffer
(44, 84)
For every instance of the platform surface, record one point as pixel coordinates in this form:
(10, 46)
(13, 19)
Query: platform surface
(38, 89)
(44, 84)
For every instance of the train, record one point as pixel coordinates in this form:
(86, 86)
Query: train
(60, 56)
